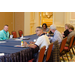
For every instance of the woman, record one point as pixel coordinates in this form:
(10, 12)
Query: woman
(45, 29)
(66, 32)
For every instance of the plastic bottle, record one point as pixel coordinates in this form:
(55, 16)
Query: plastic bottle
(22, 36)
(21, 42)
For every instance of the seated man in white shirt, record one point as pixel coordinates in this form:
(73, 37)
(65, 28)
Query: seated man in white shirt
(57, 35)
(42, 40)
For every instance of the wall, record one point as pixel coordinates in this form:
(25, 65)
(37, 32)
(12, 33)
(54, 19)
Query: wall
(70, 19)
(31, 21)
(59, 20)
(19, 21)
(7, 18)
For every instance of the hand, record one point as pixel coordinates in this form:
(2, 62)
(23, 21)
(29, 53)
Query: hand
(31, 42)
(49, 37)
(62, 33)
(25, 43)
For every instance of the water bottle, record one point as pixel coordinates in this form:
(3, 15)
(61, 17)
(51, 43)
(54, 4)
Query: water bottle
(21, 42)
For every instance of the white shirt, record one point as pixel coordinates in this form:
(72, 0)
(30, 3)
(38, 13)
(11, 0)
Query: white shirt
(43, 41)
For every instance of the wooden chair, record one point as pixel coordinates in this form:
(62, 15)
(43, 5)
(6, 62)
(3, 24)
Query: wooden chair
(40, 55)
(20, 32)
(73, 46)
(63, 44)
(67, 48)
(62, 47)
(49, 52)
(14, 34)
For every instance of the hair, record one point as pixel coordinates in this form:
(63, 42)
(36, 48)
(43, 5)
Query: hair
(67, 25)
(39, 27)
(44, 24)
(71, 27)
(6, 25)
(53, 27)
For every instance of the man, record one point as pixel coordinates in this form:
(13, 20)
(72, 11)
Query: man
(4, 34)
(72, 32)
(57, 35)
(42, 40)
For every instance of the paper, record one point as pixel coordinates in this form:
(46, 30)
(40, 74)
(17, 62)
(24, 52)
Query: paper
(18, 39)
(25, 38)
(2, 41)
(18, 46)
(1, 54)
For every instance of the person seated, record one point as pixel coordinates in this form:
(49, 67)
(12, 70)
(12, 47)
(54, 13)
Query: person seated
(4, 34)
(41, 41)
(66, 32)
(57, 35)
(72, 32)
(45, 28)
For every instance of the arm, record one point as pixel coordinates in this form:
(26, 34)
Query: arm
(29, 45)
(1, 36)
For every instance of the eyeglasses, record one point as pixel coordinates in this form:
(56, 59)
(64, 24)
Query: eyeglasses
(37, 30)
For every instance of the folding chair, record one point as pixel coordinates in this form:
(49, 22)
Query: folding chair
(14, 34)
(40, 55)
(20, 32)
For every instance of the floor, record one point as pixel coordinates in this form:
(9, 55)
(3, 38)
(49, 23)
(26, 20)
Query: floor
(70, 60)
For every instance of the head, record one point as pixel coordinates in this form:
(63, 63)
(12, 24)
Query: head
(44, 26)
(67, 26)
(71, 28)
(53, 28)
(39, 31)
(6, 28)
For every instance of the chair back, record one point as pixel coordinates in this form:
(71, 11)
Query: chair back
(14, 34)
(63, 44)
(74, 41)
(49, 51)
(71, 42)
(41, 54)
(20, 32)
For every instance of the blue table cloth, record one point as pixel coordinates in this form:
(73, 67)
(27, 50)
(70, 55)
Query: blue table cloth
(8, 47)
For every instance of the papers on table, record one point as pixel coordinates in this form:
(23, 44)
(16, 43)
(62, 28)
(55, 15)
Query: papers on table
(22, 39)
(2, 41)
(18, 46)
(1, 54)
(18, 39)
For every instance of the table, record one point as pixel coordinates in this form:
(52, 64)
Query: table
(19, 54)
(9, 50)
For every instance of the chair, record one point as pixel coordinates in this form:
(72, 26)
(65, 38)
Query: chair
(49, 52)
(73, 46)
(62, 47)
(20, 32)
(67, 48)
(14, 34)
(63, 44)
(40, 55)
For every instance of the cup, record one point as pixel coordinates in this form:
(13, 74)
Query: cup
(11, 36)
(35, 40)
